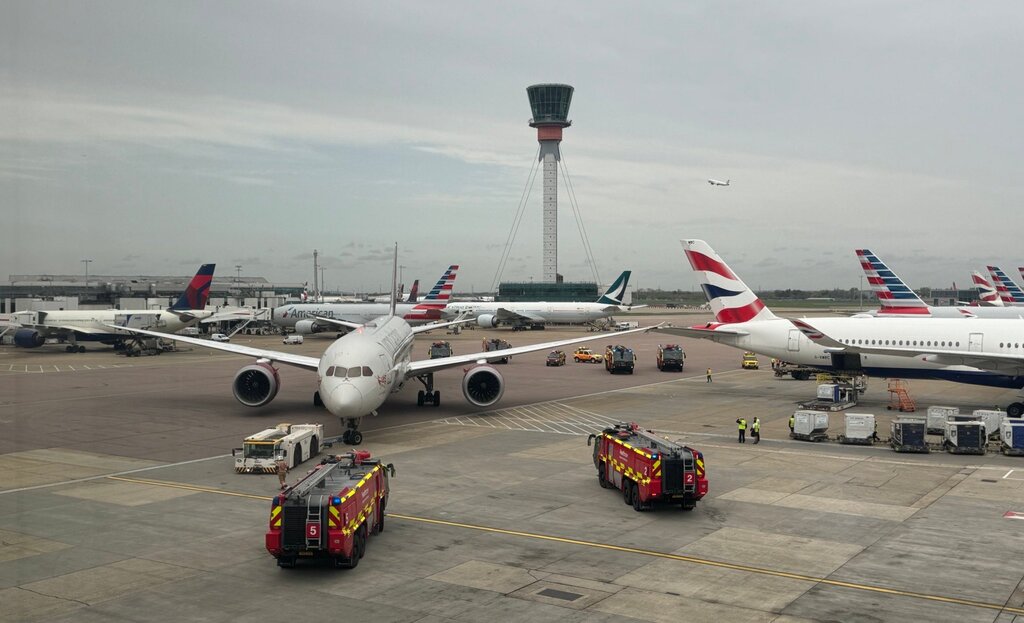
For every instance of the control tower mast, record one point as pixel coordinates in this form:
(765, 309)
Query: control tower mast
(550, 106)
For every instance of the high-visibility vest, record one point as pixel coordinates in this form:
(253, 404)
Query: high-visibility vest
(743, 424)
(756, 426)
(792, 420)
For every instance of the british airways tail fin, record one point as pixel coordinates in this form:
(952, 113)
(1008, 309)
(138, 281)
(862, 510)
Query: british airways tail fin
(894, 296)
(197, 293)
(1009, 292)
(987, 294)
(731, 300)
(413, 292)
(616, 293)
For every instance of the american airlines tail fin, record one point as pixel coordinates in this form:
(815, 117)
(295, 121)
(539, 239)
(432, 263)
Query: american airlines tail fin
(894, 296)
(441, 293)
(1009, 292)
(197, 293)
(986, 293)
(616, 292)
(413, 292)
(731, 300)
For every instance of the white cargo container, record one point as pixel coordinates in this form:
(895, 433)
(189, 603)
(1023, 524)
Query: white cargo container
(810, 425)
(860, 428)
(991, 418)
(937, 416)
(828, 391)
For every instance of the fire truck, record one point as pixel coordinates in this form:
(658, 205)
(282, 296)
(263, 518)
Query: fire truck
(440, 349)
(648, 469)
(294, 442)
(496, 344)
(619, 358)
(331, 512)
(670, 357)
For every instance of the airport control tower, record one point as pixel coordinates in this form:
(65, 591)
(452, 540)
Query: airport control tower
(550, 106)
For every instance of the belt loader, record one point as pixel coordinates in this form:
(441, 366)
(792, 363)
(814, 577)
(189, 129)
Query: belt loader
(648, 469)
(331, 512)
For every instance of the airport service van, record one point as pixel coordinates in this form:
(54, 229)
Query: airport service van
(293, 442)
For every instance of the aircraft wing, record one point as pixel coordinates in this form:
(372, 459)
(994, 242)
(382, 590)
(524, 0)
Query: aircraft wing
(291, 359)
(340, 323)
(709, 331)
(996, 362)
(417, 368)
(440, 325)
(505, 315)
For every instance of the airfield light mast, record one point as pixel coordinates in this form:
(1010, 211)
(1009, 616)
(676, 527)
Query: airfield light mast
(550, 106)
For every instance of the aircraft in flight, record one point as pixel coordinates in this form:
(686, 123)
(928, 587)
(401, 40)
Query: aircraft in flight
(309, 318)
(977, 351)
(32, 328)
(526, 314)
(718, 182)
(897, 299)
(358, 371)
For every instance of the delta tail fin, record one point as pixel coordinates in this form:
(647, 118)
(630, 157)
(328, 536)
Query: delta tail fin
(1009, 292)
(894, 296)
(616, 293)
(731, 300)
(413, 292)
(197, 293)
(987, 294)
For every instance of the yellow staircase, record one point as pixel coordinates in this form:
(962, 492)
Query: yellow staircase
(899, 398)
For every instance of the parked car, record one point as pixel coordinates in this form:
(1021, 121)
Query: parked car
(292, 339)
(220, 337)
(555, 358)
(584, 354)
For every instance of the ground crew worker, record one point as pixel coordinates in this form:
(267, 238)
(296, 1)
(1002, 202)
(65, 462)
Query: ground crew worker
(709, 375)
(755, 429)
(792, 420)
(741, 425)
(874, 434)
(282, 471)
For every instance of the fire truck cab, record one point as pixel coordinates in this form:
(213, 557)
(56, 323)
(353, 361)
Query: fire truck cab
(331, 511)
(648, 469)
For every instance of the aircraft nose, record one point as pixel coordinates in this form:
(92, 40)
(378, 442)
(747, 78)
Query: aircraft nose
(345, 401)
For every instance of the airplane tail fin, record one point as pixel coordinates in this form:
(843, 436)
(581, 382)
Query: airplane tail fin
(413, 292)
(894, 296)
(616, 293)
(197, 293)
(441, 293)
(986, 293)
(730, 299)
(1009, 292)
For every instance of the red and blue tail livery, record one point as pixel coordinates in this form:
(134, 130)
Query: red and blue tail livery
(894, 296)
(1009, 292)
(987, 294)
(730, 299)
(197, 293)
(435, 300)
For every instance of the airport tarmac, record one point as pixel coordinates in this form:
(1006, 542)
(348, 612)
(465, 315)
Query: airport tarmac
(118, 500)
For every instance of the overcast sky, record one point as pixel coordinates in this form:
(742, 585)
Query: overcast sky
(153, 136)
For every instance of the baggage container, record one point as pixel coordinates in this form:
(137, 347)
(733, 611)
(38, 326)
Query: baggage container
(828, 391)
(810, 425)
(991, 418)
(965, 437)
(907, 434)
(1011, 437)
(937, 416)
(860, 428)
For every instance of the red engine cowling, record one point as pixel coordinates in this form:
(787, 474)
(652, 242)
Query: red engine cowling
(256, 385)
(482, 385)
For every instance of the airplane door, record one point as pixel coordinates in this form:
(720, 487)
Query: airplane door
(794, 341)
(974, 343)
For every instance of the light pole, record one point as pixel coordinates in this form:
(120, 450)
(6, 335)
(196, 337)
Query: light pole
(323, 284)
(86, 262)
(238, 273)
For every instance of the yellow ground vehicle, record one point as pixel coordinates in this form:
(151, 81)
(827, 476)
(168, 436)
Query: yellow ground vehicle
(750, 361)
(586, 355)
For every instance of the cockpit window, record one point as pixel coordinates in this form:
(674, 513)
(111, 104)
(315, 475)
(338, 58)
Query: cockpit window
(330, 371)
(355, 372)
(367, 371)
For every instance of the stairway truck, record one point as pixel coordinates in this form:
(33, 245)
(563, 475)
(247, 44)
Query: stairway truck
(670, 357)
(1011, 437)
(294, 443)
(649, 470)
(619, 358)
(331, 512)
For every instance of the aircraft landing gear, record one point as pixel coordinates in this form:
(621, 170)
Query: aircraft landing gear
(352, 436)
(1015, 410)
(429, 396)
(74, 349)
(317, 401)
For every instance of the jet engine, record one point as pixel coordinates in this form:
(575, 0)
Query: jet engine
(483, 386)
(308, 327)
(487, 321)
(255, 385)
(28, 338)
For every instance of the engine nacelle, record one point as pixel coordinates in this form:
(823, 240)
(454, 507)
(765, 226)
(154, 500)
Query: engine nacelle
(487, 321)
(28, 338)
(309, 327)
(483, 386)
(255, 385)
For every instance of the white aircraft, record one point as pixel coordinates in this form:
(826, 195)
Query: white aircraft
(1009, 292)
(719, 182)
(33, 328)
(357, 372)
(525, 314)
(897, 299)
(309, 318)
(977, 351)
(987, 294)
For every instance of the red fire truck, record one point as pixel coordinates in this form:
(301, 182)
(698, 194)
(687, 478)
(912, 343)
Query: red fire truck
(650, 470)
(331, 511)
